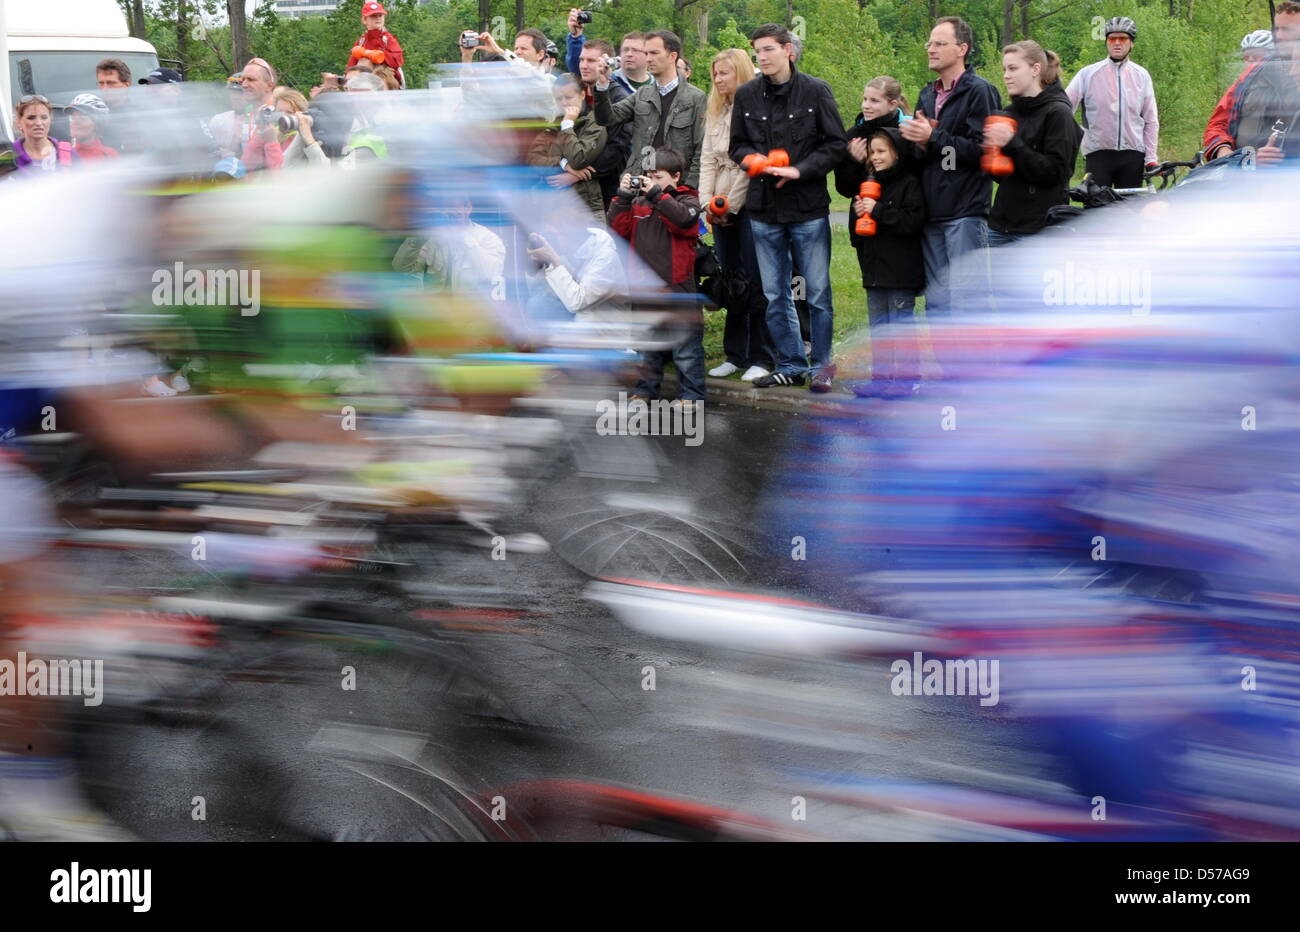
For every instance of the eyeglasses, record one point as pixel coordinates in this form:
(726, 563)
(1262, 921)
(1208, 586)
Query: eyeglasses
(937, 45)
(33, 99)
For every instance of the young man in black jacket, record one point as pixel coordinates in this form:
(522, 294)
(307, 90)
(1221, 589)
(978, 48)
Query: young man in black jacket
(789, 205)
(948, 130)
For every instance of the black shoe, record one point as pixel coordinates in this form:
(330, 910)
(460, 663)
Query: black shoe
(821, 383)
(777, 378)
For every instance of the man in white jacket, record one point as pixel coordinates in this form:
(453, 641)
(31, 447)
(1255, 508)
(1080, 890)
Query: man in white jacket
(1119, 111)
(565, 289)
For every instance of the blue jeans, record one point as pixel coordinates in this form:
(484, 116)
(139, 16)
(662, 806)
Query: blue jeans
(942, 245)
(810, 242)
(956, 275)
(744, 339)
(997, 239)
(687, 356)
(894, 356)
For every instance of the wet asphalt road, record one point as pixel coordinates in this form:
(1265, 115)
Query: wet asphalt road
(294, 755)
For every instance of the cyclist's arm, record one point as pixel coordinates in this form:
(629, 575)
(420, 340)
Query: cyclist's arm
(1218, 131)
(1150, 124)
(1074, 91)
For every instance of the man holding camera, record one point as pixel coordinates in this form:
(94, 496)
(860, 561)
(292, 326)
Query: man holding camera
(593, 68)
(665, 113)
(262, 135)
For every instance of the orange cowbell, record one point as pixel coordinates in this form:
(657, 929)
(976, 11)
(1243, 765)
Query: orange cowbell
(755, 164)
(866, 225)
(994, 162)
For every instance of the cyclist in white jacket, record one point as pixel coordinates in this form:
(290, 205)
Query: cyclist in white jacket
(1119, 111)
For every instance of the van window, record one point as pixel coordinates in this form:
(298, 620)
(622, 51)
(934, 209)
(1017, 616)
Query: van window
(60, 76)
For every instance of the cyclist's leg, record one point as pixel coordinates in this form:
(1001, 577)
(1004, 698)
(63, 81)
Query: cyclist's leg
(1129, 166)
(1101, 166)
(40, 798)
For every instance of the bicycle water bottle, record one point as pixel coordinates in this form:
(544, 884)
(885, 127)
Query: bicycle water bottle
(1278, 134)
(994, 162)
(866, 225)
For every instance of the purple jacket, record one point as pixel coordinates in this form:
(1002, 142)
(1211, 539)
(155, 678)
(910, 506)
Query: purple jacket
(64, 149)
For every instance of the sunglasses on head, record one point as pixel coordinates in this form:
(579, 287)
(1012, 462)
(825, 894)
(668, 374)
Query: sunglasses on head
(33, 99)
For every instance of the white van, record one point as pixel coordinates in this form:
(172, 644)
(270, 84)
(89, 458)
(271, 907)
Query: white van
(54, 45)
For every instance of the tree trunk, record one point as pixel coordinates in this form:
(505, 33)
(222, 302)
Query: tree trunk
(519, 16)
(1008, 21)
(702, 27)
(137, 19)
(484, 15)
(934, 9)
(1024, 19)
(239, 48)
(789, 13)
(183, 34)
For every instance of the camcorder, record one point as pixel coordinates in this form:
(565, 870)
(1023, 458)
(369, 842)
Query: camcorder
(332, 116)
(469, 39)
(615, 62)
(634, 183)
(265, 115)
(584, 16)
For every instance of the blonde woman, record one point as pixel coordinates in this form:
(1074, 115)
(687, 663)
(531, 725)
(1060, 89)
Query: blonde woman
(302, 148)
(34, 149)
(745, 338)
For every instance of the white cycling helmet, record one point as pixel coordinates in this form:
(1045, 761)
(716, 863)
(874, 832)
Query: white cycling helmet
(1259, 39)
(1122, 24)
(90, 105)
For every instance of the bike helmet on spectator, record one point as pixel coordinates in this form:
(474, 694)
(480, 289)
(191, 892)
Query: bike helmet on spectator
(89, 105)
(1122, 24)
(1259, 39)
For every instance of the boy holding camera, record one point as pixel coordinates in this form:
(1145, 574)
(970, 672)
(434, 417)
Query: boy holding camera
(660, 217)
(377, 43)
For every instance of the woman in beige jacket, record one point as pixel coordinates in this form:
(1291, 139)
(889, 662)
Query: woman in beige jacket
(744, 339)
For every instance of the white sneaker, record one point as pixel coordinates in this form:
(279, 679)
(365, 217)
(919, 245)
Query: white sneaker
(724, 370)
(753, 372)
(158, 388)
(180, 383)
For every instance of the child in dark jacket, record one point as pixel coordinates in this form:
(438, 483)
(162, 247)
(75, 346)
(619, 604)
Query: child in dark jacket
(893, 270)
(1043, 147)
(662, 222)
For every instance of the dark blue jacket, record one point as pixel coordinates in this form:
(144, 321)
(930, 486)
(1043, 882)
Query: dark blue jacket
(954, 185)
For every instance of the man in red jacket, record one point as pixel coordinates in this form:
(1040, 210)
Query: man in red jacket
(378, 39)
(1252, 102)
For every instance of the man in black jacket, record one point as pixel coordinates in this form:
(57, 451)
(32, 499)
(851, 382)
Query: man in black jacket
(789, 205)
(948, 130)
